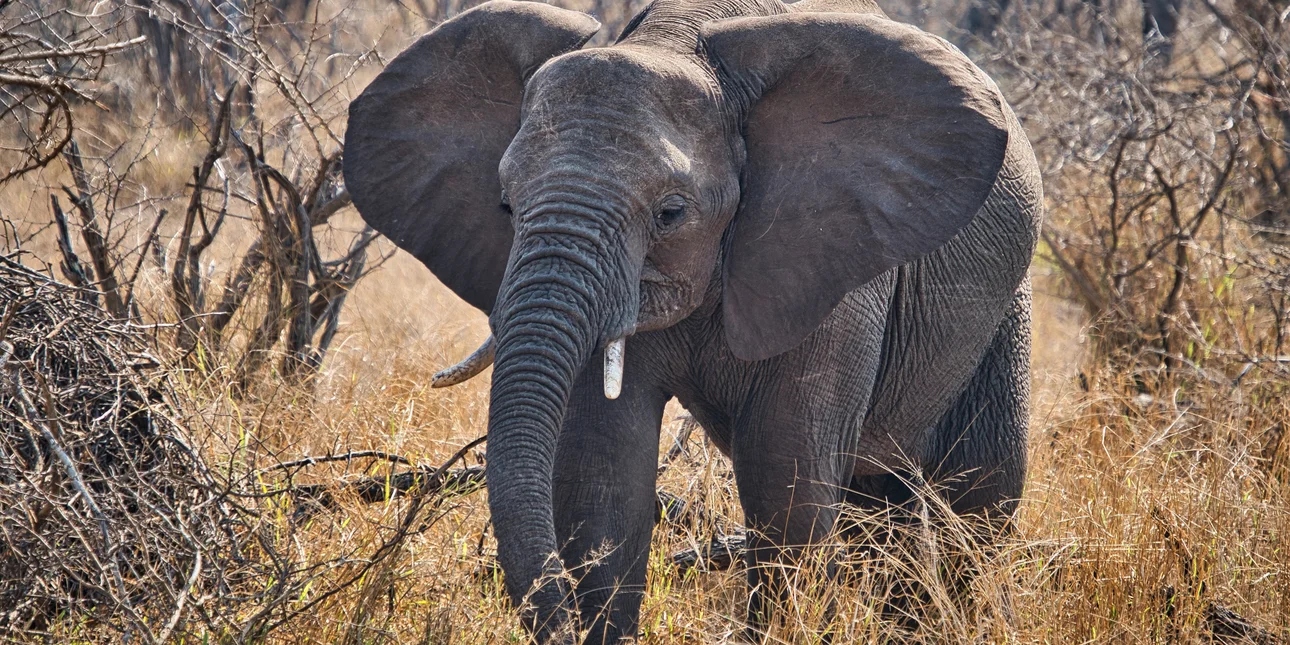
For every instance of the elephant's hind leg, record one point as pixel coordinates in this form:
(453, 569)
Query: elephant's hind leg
(976, 457)
(977, 454)
(976, 462)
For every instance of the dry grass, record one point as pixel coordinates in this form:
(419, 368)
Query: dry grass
(1141, 516)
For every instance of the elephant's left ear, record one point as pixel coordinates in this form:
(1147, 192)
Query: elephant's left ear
(869, 144)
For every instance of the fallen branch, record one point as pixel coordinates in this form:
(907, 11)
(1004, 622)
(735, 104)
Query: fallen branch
(718, 555)
(348, 456)
(1227, 626)
(688, 426)
(107, 510)
(378, 489)
(418, 482)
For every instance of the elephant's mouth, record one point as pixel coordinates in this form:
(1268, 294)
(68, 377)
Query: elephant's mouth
(651, 274)
(664, 300)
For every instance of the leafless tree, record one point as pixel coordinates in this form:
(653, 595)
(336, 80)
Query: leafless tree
(1154, 177)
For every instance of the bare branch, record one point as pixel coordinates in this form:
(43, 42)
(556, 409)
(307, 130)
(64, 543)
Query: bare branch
(71, 53)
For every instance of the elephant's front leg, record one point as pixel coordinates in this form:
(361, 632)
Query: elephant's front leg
(603, 493)
(791, 475)
(794, 448)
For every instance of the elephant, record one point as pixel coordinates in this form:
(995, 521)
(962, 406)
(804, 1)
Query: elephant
(808, 223)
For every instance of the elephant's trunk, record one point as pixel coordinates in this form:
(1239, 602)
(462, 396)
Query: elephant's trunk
(554, 311)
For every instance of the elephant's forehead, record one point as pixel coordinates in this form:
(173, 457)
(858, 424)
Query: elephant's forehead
(618, 104)
(624, 80)
(613, 146)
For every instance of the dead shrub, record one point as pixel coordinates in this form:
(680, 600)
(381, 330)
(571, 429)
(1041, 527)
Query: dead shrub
(106, 509)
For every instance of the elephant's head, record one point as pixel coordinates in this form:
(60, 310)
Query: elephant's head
(581, 196)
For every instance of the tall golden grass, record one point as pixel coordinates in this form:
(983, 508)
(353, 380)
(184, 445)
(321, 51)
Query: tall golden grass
(1143, 519)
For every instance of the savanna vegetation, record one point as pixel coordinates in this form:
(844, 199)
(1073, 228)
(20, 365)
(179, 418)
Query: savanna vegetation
(216, 420)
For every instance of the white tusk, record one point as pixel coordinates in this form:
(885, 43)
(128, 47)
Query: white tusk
(469, 368)
(614, 355)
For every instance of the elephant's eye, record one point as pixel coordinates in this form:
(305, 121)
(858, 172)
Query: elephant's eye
(506, 205)
(671, 212)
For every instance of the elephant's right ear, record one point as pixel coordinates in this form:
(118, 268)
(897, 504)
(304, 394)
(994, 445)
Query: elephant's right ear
(425, 138)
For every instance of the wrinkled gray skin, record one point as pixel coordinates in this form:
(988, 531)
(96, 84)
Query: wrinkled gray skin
(812, 224)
